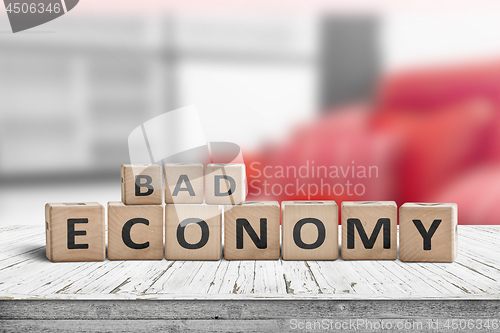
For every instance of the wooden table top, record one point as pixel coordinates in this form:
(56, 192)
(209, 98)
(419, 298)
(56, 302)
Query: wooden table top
(25, 274)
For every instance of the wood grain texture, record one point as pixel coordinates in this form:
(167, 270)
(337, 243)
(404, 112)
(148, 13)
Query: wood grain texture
(442, 245)
(74, 231)
(257, 214)
(238, 315)
(25, 273)
(145, 233)
(323, 235)
(132, 173)
(217, 187)
(369, 215)
(184, 183)
(200, 240)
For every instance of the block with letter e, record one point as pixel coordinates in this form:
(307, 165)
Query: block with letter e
(193, 232)
(225, 184)
(309, 230)
(135, 232)
(369, 230)
(428, 232)
(184, 183)
(75, 232)
(141, 184)
(252, 231)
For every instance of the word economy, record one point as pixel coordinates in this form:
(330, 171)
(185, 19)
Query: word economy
(257, 230)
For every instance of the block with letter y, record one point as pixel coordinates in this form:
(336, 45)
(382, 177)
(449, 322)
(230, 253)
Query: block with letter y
(369, 230)
(428, 232)
(252, 231)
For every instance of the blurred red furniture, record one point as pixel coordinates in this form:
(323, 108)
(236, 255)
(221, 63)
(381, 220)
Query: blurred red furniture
(434, 136)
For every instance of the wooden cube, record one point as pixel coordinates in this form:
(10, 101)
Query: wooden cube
(135, 232)
(252, 231)
(193, 232)
(141, 184)
(184, 183)
(309, 230)
(75, 232)
(428, 232)
(225, 184)
(369, 230)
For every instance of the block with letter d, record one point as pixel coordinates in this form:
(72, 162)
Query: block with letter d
(75, 231)
(428, 232)
(225, 184)
(310, 230)
(193, 232)
(369, 230)
(252, 231)
(135, 232)
(184, 183)
(141, 184)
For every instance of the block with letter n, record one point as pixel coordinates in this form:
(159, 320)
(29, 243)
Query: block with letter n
(252, 231)
(428, 232)
(369, 230)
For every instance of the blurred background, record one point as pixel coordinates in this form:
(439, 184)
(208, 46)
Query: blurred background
(413, 97)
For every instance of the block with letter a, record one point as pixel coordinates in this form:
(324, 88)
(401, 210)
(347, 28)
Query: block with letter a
(369, 230)
(428, 232)
(184, 183)
(252, 231)
(75, 231)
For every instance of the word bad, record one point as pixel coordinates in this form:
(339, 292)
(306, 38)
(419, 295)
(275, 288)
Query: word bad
(193, 229)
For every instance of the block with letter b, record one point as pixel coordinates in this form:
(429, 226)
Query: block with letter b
(369, 230)
(225, 184)
(184, 183)
(309, 230)
(252, 231)
(75, 231)
(135, 232)
(193, 232)
(141, 184)
(428, 232)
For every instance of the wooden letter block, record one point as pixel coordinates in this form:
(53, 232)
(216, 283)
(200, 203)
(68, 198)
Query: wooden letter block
(225, 184)
(184, 183)
(428, 232)
(141, 184)
(252, 231)
(369, 230)
(193, 232)
(135, 232)
(310, 230)
(75, 232)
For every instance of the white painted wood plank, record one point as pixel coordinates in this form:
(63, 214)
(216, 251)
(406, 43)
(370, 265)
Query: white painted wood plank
(26, 273)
